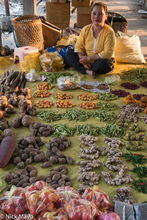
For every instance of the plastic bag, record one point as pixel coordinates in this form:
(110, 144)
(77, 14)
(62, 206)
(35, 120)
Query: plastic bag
(31, 61)
(81, 209)
(59, 214)
(67, 40)
(98, 197)
(68, 83)
(109, 216)
(52, 61)
(32, 76)
(128, 49)
(40, 197)
(66, 193)
(14, 201)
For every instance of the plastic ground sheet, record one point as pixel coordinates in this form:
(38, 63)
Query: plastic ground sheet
(74, 149)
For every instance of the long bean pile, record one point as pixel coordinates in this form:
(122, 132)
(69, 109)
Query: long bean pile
(112, 130)
(77, 115)
(103, 115)
(88, 129)
(61, 129)
(107, 96)
(52, 77)
(49, 116)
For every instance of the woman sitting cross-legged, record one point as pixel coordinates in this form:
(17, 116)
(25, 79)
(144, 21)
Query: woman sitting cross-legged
(94, 50)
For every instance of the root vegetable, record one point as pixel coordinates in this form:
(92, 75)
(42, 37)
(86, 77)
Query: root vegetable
(26, 120)
(7, 148)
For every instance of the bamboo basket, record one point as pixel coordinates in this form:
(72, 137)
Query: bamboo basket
(28, 30)
(118, 22)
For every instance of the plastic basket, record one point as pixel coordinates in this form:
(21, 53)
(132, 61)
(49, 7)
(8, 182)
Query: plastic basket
(28, 30)
(117, 22)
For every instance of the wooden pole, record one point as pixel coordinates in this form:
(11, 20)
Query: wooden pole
(29, 7)
(6, 4)
(145, 4)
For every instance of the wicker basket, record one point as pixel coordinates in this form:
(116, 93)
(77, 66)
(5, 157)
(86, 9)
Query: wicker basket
(117, 22)
(28, 30)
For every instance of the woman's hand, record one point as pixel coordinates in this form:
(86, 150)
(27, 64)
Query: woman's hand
(84, 59)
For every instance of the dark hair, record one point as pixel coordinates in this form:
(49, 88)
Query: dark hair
(101, 4)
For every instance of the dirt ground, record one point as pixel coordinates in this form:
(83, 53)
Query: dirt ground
(136, 23)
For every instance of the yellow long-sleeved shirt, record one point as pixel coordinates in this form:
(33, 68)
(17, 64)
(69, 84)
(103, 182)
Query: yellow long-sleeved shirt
(103, 45)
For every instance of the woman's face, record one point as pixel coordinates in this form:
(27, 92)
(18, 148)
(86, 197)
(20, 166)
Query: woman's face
(98, 16)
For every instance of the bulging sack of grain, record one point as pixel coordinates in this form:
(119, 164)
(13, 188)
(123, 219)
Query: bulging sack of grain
(128, 49)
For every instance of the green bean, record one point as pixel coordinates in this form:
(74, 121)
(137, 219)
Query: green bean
(112, 130)
(77, 115)
(52, 77)
(49, 116)
(104, 115)
(61, 129)
(88, 129)
(107, 96)
(106, 106)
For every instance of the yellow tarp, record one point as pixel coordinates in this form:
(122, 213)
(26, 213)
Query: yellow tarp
(74, 150)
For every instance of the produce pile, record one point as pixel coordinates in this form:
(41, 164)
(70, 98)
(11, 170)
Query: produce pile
(41, 202)
(73, 138)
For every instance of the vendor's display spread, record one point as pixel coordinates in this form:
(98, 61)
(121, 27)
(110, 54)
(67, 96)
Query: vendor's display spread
(56, 133)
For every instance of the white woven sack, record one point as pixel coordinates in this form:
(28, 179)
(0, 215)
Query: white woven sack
(128, 49)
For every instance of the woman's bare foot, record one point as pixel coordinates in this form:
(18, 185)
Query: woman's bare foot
(91, 73)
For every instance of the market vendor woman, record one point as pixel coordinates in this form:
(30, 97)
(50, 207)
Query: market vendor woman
(94, 50)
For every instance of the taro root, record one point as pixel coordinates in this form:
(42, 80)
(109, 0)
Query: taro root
(3, 124)
(29, 151)
(38, 129)
(58, 177)
(26, 106)
(9, 109)
(26, 120)
(13, 100)
(16, 122)
(21, 177)
(8, 132)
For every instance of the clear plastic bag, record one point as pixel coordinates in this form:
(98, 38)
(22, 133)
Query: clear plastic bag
(68, 83)
(98, 197)
(81, 209)
(109, 216)
(40, 197)
(13, 202)
(66, 193)
(52, 61)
